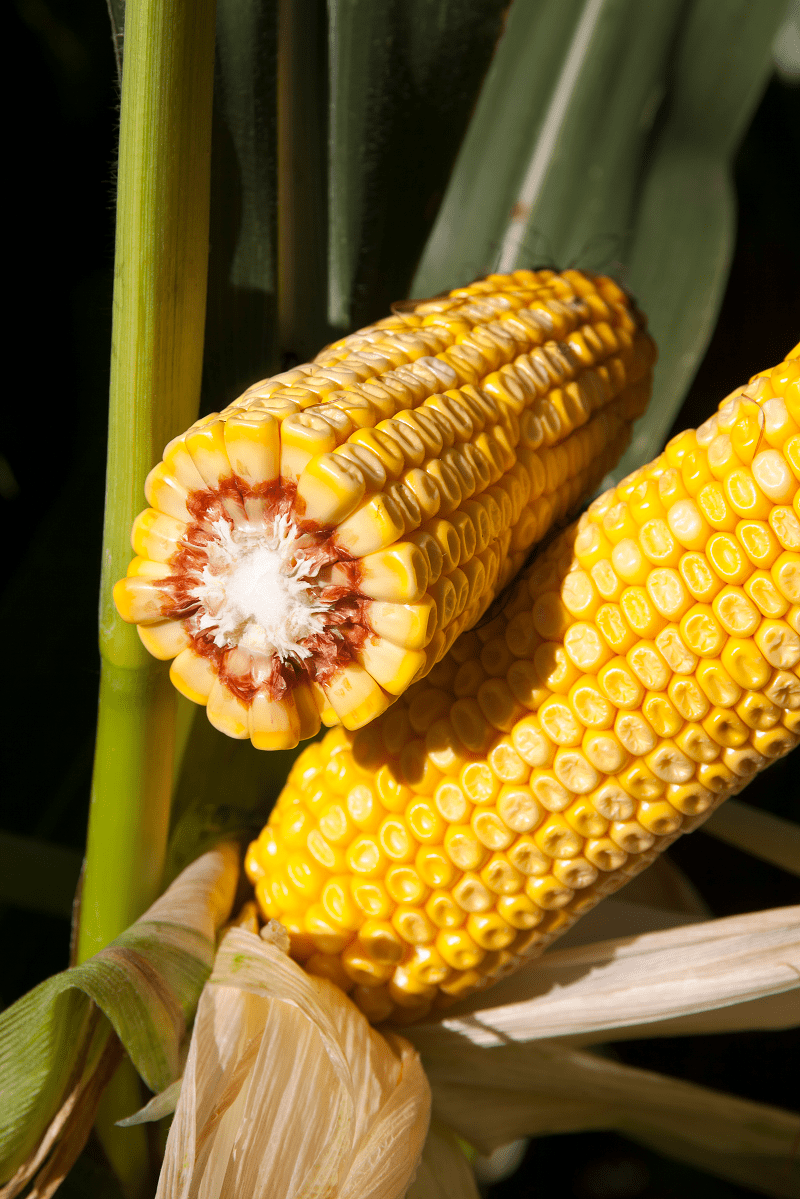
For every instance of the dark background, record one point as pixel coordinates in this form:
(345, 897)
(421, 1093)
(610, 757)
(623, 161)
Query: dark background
(60, 148)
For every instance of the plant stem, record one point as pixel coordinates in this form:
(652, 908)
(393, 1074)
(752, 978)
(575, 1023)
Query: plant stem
(156, 359)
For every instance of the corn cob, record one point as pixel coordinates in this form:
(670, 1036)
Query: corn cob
(641, 671)
(322, 542)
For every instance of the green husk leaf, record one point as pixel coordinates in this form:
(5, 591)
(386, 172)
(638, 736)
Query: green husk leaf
(146, 983)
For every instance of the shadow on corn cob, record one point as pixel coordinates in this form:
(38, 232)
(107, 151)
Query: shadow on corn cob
(641, 671)
(320, 544)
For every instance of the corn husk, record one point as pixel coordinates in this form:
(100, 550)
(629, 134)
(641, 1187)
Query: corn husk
(288, 1091)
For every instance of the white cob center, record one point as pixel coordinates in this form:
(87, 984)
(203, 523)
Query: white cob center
(257, 590)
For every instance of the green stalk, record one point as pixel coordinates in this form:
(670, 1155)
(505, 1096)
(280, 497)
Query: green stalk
(157, 345)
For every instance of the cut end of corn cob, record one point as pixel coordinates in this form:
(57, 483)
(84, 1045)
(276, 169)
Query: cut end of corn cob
(321, 543)
(642, 670)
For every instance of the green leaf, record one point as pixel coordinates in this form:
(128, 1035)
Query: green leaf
(404, 77)
(603, 138)
(146, 984)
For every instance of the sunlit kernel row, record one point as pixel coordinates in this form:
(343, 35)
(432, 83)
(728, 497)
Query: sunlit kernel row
(641, 672)
(321, 543)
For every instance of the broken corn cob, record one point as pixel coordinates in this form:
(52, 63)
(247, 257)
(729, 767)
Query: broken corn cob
(641, 671)
(320, 544)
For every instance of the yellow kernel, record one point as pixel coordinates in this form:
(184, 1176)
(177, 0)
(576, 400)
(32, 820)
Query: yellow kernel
(519, 911)
(413, 925)
(606, 580)
(675, 653)
(688, 525)
(669, 763)
(434, 866)
(574, 771)
(727, 558)
(758, 542)
(765, 595)
(774, 743)
(364, 857)
(743, 762)
(744, 495)
(695, 742)
(490, 830)
(339, 905)
(715, 508)
(557, 838)
(555, 669)
(667, 593)
(459, 950)
(500, 876)
(605, 854)
(757, 711)
(589, 704)
(630, 836)
(700, 631)
(575, 873)
(489, 930)
(464, 848)
(526, 856)
(717, 684)
(614, 628)
(620, 684)
(786, 527)
(372, 897)
(640, 782)
(690, 799)
(744, 664)
(405, 885)
(735, 612)
(393, 794)
(329, 966)
(451, 802)
(786, 575)
(506, 763)
(779, 644)
(444, 911)
(604, 751)
(396, 840)
(478, 783)
(471, 893)
(585, 647)
(661, 715)
(548, 892)
(702, 582)
(725, 727)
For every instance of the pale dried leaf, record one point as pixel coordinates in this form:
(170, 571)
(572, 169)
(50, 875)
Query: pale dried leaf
(492, 1096)
(288, 1091)
(763, 835)
(642, 980)
(443, 1172)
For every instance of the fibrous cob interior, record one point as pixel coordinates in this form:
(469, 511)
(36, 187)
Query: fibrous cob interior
(642, 670)
(320, 544)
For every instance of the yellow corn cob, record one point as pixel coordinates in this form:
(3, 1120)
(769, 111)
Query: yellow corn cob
(641, 671)
(322, 542)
